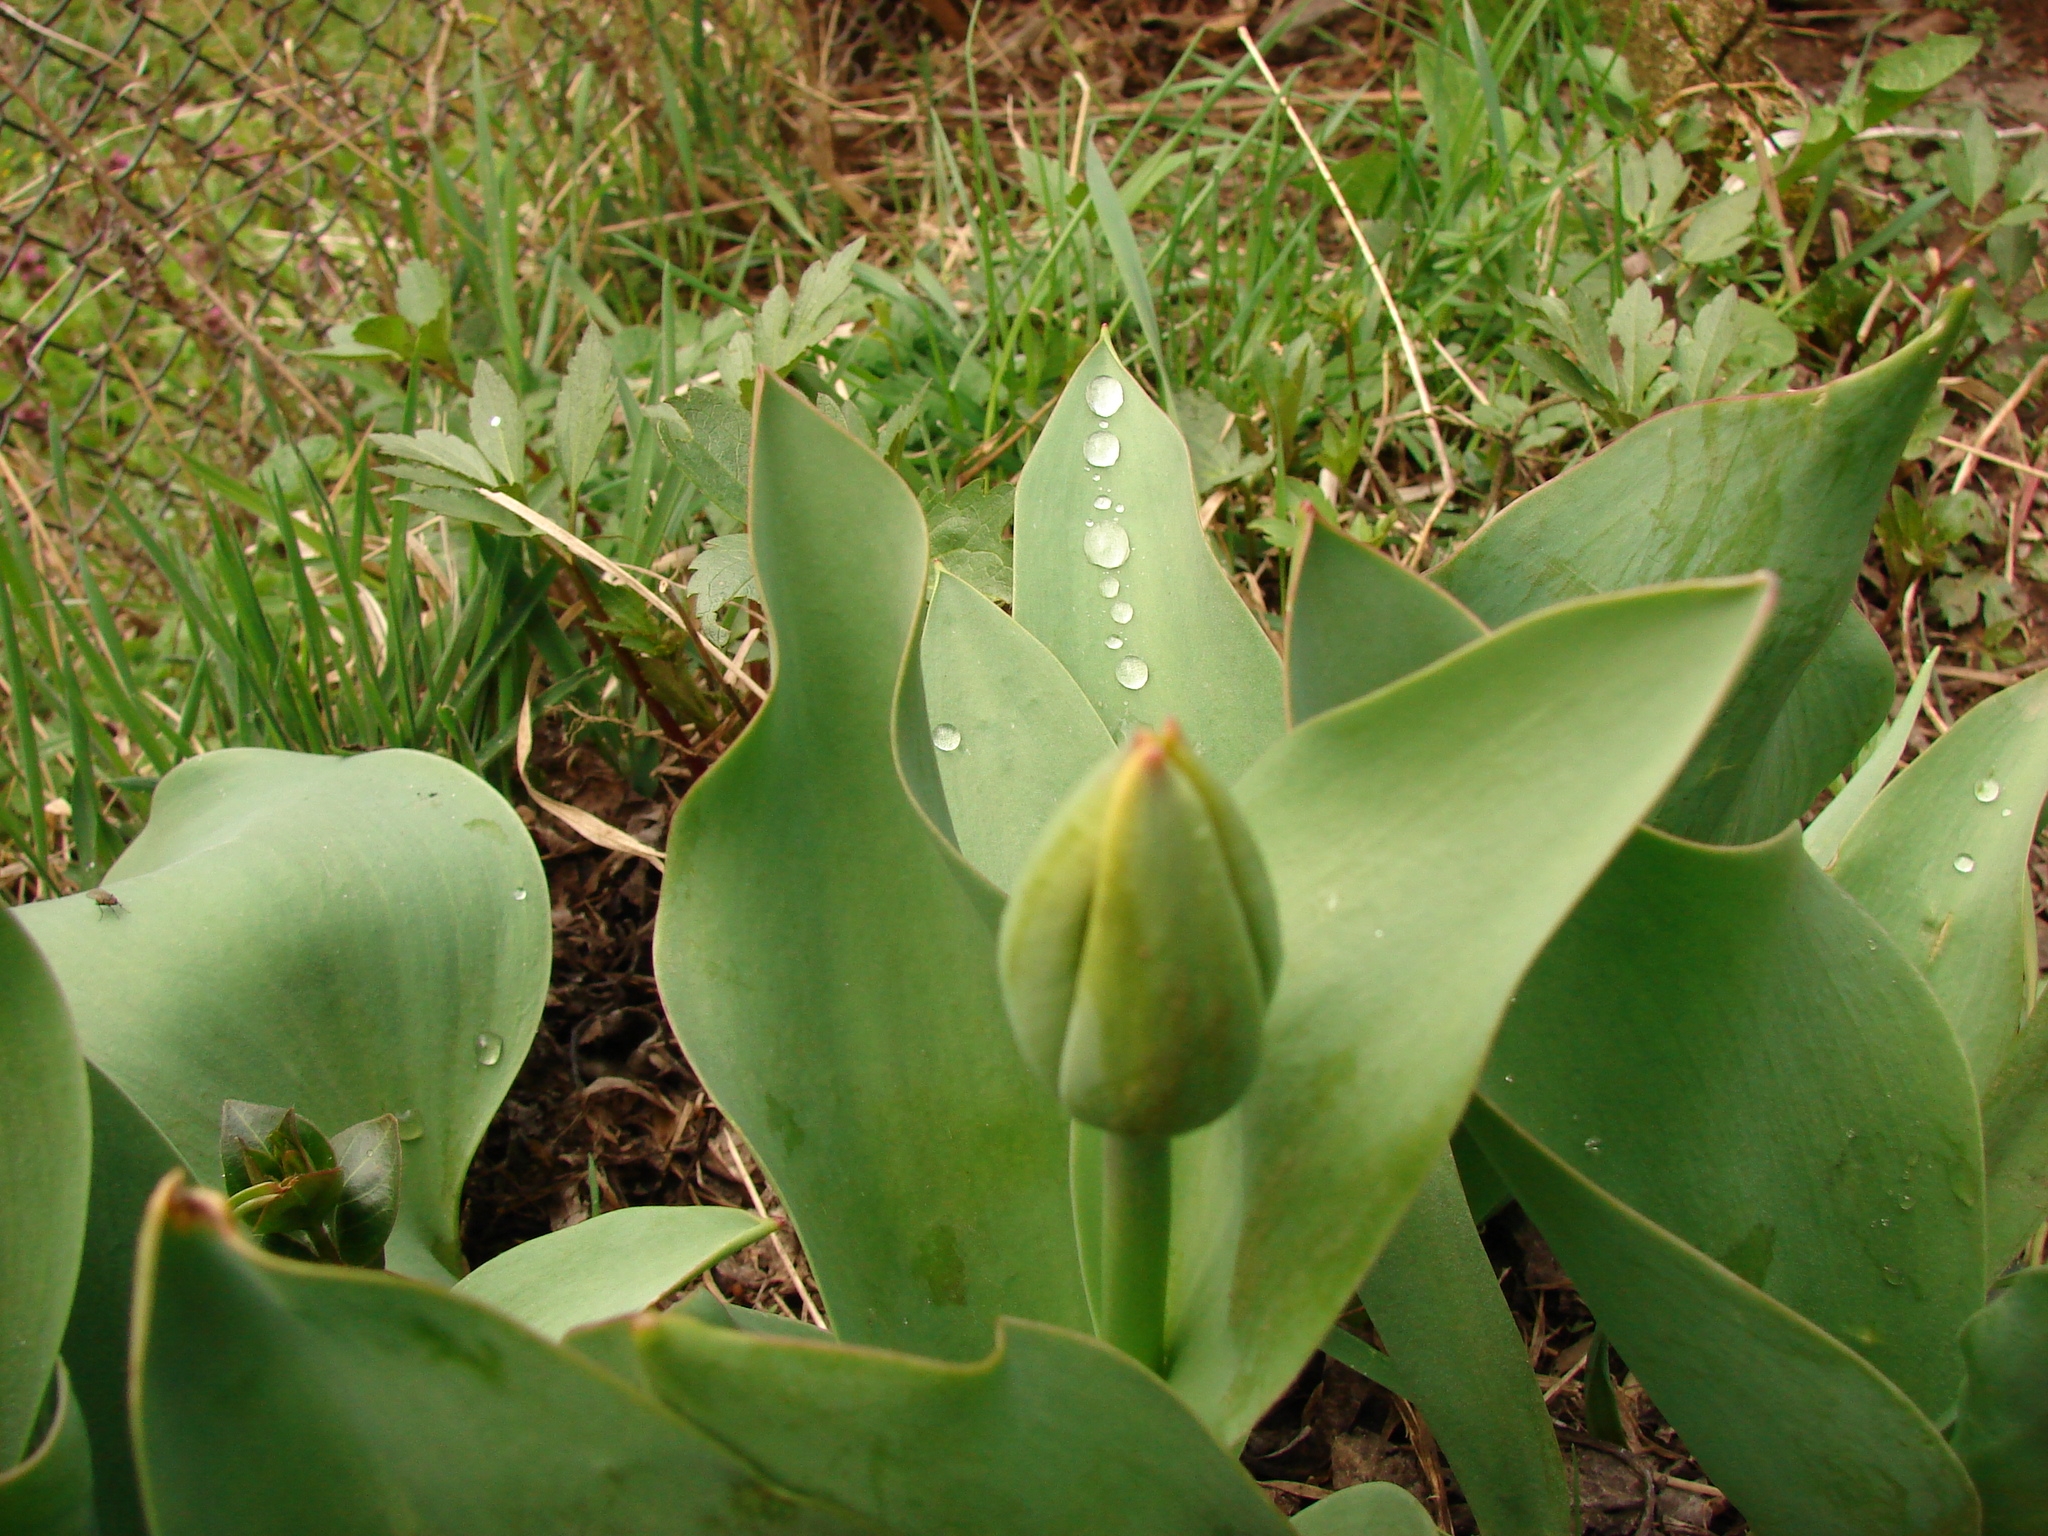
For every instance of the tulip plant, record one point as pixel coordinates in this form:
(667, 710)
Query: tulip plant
(1116, 999)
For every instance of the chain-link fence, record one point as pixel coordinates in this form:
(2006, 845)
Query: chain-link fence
(188, 190)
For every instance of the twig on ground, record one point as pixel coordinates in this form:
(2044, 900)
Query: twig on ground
(803, 1291)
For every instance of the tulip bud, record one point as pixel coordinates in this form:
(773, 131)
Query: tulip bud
(303, 1196)
(1140, 948)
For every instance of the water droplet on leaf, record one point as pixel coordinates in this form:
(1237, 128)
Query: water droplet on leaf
(409, 1127)
(490, 1049)
(494, 421)
(1905, 1202)
(1102, 503)
(1964, 863)
(1120, 612)
(1592, 1143)
(1109, 586)
(1115, 642)
(1105, 395)
(1987, 790)
(1101, 449)
(1132, 673)
(1107, 544)
(519, 893)
(946, 737)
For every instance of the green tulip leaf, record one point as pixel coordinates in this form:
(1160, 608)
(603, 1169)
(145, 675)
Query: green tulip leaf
(1435, 1300)
(1837, 704)
(1420, 860)
(1802, 1433)
(827, 961)
(1052, 1434)
(1940, 859)
(1356, 622)
(2001, 1429)
(348, 937)
(129, 1157)
(1366, 1509)
(1800, 1111)
(1824, 834)
(619, 1262)
(2016, 1143)
(1349, 1349)
(1190, 649)
(45, 1175)
(49, 1492)
(1788, 482)
(273, 1396)
(1012, 730)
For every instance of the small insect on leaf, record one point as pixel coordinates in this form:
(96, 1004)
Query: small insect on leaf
(106, 900)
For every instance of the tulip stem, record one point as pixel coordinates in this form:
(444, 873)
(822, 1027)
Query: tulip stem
(1137, 1217)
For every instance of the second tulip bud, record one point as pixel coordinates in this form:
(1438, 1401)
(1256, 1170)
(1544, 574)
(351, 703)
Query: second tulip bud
(1140, 948)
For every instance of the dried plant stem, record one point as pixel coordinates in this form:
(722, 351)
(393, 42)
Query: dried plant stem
(803, 1292)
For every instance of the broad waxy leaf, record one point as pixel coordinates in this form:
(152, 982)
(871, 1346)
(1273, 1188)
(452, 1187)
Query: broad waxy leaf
(1787, 482)
(1423, 844)
(380, 1404)
(2002, 1426)
(1940, 859)
(49, 1492)
(1052, 1434)
(129, 1157)
(1724, 1042)
(45, 1171)
(2016, 1144)
(1837, 704)
(829, 965)
(1012, 731)
(1802, 1434)
(608, 1265)
(1109, 549)
(1823, 835)
(1366, 1509)
(347, 936)
(1356, 621)
(1436, 1303)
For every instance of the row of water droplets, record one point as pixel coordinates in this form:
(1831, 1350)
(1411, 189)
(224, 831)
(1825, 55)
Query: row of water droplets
(1987, 790)
(1104, 540)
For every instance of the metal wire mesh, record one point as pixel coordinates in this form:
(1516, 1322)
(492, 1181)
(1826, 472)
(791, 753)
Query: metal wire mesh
(183, 194)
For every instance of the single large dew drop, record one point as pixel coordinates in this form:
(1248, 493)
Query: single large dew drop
(1105, 395)
(409, 1127)
(1106, 545)
(490, 1049)
(946, 737)
(1101, 449)
(1102, 503)
(1987, 790)
(1964, 863)
(1115, 642)
(1120, 612)
(1132, 673)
